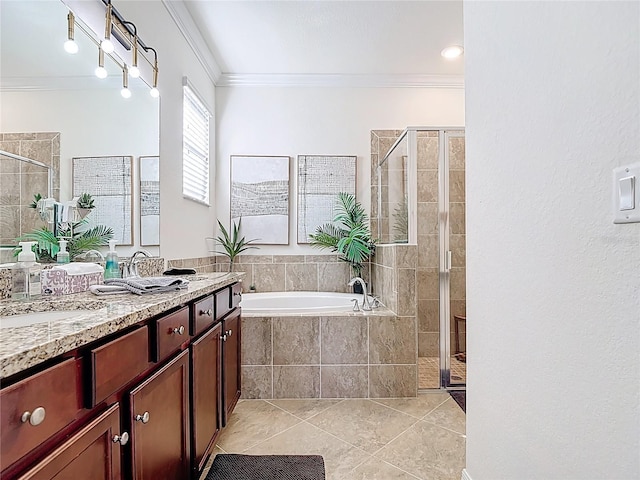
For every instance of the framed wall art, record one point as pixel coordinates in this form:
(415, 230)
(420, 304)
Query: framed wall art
(109, 181)
(260, 196)
(149, 200)
(320, 179)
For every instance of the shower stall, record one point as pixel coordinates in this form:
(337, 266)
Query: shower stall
(418, 199)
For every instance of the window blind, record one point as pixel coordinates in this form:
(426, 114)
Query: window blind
(195, 147)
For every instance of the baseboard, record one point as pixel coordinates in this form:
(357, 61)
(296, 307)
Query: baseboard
(465, 475)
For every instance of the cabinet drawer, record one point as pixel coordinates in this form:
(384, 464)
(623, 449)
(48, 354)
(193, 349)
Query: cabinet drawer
(47, 402)
(223, 302)
(118, 362)
(171, 332)
(203, 315)
(236, 295)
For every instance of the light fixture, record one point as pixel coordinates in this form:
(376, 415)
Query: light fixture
(101, 72)
(154, 92)
(453, 51)
(107, 45)
(70, 45)
(125, 92)
(134, 71)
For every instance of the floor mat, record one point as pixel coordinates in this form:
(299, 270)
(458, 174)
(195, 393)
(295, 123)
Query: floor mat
(266, 467)
(460, 396)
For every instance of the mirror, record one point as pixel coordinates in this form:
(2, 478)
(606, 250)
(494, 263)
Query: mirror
(55, 109)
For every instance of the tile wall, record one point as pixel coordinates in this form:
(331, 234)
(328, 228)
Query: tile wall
(19, 181)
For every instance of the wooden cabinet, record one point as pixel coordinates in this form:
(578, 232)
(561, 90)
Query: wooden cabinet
(117, 362)
(159, 418)
(205, 394)
(37, 407)
(91, 453)
(171, 332)
(145, 403)
(231, 373)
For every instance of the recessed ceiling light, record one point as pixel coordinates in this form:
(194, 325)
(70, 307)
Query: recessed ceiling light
(453, 51)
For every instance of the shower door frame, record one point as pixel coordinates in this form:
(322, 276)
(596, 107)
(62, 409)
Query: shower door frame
(445, 254)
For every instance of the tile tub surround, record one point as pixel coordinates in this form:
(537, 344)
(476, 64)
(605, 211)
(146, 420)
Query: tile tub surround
(25, 347)
(290, 273)
(330, 356)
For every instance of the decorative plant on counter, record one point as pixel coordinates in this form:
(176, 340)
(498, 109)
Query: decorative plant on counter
(85, 204)
(348, 235)
(232, 244)
(79, 241)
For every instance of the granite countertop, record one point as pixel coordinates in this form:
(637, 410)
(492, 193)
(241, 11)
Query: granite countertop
(24, 347)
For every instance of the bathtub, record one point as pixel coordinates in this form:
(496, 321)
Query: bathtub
(298, 302)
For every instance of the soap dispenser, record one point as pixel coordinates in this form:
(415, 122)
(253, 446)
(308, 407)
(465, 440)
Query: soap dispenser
(63, 255)
(25, 274)
(112, 269)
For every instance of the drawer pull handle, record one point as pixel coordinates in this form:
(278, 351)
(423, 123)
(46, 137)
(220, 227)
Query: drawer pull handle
(179, 331)
(121, 439)
(206, 312)
(223, 338)
(237, 294)
(35, 418)
(228, 333)
(144, 418)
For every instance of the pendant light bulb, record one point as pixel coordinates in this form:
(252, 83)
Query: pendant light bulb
(134, 71)
(70, 46)
(107, 46)
(101, 72)
(125, 92)
(154, 92)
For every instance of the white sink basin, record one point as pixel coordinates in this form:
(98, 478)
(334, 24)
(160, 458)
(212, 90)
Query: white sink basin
(33, 318)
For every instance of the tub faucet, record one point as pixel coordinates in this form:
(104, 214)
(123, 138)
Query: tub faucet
(131, 267)
(365, 298)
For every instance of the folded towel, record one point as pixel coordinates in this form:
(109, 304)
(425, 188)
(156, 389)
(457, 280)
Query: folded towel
(79, 268)
(140, 285)
(107, 289)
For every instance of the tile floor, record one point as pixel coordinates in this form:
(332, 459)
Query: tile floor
(360, 439)
(429, 371)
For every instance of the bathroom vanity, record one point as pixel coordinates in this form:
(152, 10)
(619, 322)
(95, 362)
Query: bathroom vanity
(133, 387)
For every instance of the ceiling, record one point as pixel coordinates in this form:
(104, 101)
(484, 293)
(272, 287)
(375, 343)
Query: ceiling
(357, 39)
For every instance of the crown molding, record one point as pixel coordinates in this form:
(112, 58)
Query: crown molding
(192, 35)
(339, 80)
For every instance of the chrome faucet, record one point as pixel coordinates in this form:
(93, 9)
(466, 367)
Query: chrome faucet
(131, 267)
(365, 298)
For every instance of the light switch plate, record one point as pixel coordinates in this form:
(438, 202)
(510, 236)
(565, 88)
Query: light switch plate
(626, 194)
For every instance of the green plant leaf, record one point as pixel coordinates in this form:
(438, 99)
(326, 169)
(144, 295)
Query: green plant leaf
(232, 244)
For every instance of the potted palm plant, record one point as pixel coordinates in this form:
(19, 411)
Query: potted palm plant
(348, 235)
(231, 242)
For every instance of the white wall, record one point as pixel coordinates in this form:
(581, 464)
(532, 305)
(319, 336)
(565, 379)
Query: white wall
(319, 120)
(552, 106)
(183, 224)
(91, 123)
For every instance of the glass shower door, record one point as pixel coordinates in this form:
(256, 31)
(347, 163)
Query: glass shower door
(455, 261)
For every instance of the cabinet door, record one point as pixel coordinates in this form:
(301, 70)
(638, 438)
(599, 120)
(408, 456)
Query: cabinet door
(159, 418)
(91, 453)
(231, 362)
(206, 390)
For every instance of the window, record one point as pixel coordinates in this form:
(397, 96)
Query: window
(195, 147)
